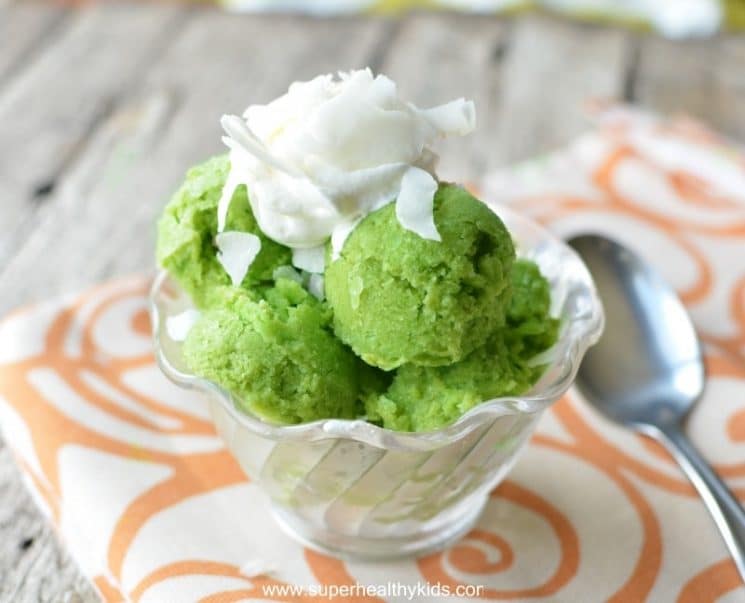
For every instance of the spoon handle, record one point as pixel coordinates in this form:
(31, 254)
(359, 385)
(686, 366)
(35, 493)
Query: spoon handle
(727, 512)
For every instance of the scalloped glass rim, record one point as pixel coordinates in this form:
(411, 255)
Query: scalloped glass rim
(579, 331)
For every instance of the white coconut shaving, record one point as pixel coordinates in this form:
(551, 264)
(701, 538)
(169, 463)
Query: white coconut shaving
(414, 204)
(237, 250)
(545, 357)
(310, 259)
(179, 325)
(340, 235)
(228, 190)
(315, 287)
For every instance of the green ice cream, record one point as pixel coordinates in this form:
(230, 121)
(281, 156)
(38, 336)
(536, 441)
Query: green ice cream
(398, 298)
(426, 398)
(188, 226)
(274, 349)
(530, 328)
(458, 320)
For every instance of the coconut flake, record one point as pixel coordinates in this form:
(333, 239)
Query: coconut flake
(546, 356)
(415, 203)
(287, 272)
(241, 137)
(339, 236)
(228, 190)
(456, 117)
(370, 188)
(315, 286)
(310, 259)
(179, 325)
(237, 251)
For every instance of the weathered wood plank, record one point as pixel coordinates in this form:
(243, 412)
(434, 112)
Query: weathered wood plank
(552, 67)
(54, 104)
(434, 60)
(107, 203)
(25, 30)
(705, 79)
(33, 567)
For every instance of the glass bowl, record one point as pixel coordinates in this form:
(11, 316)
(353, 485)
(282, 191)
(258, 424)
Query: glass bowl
(355, 490)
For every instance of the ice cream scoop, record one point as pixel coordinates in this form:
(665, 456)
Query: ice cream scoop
(398, 298)
(273, 350)
(423, 398)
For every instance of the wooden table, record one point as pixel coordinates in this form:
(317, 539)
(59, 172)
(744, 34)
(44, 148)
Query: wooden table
(103, 108)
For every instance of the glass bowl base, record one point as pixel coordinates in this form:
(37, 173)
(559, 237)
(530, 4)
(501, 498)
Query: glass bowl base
(359, 548)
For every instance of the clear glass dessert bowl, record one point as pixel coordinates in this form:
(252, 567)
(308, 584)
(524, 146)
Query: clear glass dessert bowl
(353, 489)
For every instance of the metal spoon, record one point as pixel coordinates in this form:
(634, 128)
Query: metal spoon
(647, 371)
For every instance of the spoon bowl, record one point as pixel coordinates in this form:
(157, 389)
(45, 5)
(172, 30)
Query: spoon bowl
(648, 367)
(647, 371)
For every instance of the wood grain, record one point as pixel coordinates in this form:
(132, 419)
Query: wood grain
(551, 69)
(50, 109)
(102, 109)
(33, 566)
(26, 28)
(705, 79)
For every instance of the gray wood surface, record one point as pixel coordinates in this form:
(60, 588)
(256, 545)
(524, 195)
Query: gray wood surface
(103, 108)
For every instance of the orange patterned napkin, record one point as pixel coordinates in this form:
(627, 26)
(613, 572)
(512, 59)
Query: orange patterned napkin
(154, 509)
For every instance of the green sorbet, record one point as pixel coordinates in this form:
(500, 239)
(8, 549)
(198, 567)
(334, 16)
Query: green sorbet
(428, 398)
(400, 299)
(458, 319)
(274, 349)
(188, 226)
(530, 329)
